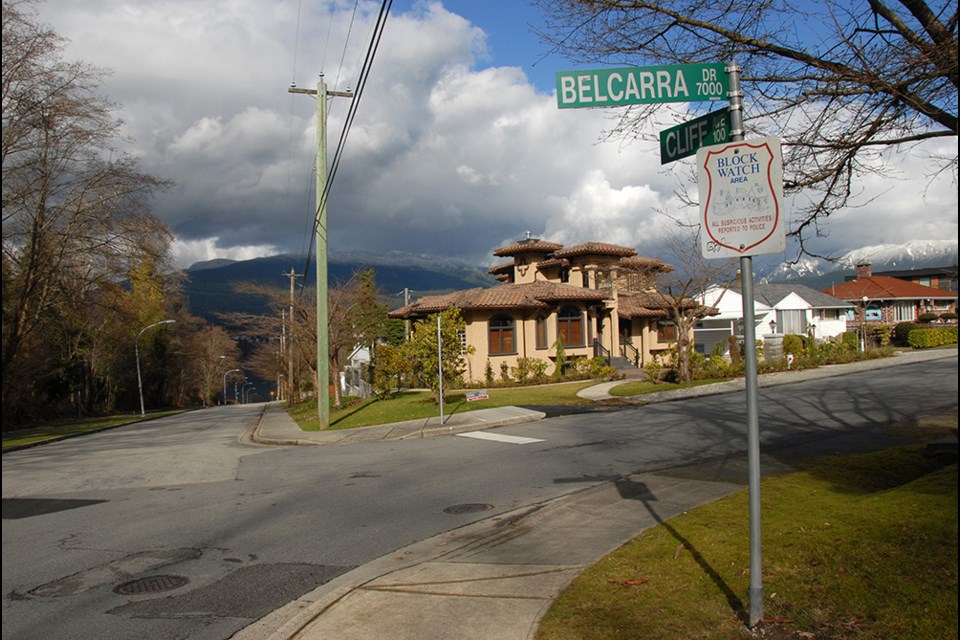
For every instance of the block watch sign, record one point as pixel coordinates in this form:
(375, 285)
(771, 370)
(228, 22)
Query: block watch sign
(741, 198)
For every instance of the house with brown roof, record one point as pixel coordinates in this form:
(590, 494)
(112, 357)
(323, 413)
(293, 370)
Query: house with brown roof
(593, 299)
(887, 300)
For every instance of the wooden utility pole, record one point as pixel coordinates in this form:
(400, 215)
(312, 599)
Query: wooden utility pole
(288, 346)
(323, 320)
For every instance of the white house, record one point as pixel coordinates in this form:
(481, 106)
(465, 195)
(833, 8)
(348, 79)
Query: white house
(728, 322)
(777, 308)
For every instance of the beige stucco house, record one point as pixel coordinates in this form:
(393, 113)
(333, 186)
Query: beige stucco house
(596, 299)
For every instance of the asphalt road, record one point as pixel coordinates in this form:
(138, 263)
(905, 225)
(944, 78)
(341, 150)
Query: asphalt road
(251, 527)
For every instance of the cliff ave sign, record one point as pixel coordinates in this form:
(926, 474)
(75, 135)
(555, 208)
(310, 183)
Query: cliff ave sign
(741, 198)
(684, 139)
(642, 85)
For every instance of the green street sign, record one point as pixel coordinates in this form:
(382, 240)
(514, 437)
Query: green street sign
(684, 139)
(642, 85)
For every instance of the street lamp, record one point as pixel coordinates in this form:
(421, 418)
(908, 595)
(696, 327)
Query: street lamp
(243, 392)
(225, 383)
(136, 349)
(863, 324)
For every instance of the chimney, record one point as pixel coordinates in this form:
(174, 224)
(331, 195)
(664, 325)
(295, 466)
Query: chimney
(864, 270)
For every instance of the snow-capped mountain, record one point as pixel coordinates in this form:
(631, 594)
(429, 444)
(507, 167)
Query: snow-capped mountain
(816, 272)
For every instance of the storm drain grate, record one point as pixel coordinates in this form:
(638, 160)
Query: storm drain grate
(150, 584)
(472, 507)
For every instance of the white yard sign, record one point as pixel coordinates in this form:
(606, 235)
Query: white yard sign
(741, 198)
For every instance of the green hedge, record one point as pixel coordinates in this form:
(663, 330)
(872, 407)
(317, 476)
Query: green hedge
(933, 337)
(850, 340)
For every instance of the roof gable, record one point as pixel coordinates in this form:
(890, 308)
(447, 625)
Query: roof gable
(773, 294)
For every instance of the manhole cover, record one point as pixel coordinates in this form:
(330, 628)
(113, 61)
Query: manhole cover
(150, 584)
(472, 507)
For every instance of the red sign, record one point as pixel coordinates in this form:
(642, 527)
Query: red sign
(741, 198)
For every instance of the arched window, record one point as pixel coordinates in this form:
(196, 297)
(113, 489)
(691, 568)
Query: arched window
(502, 335)
(570, 327)
(541, 324)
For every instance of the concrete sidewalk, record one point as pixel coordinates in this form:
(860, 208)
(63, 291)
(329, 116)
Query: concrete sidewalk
(492, 580)
(496, 578)
(277, 427)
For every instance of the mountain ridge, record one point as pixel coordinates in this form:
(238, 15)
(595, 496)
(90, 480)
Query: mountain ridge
(211, 290)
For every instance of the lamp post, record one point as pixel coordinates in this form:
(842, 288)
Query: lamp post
(136, 349)
(863, 323)
(243, 392)
(225, 383)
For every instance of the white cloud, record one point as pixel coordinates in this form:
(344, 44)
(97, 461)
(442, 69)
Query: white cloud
(446, 155)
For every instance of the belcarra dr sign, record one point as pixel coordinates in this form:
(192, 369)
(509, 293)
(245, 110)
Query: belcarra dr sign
(642, 85)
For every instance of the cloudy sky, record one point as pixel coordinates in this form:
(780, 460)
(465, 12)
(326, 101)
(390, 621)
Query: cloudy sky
(457, 146)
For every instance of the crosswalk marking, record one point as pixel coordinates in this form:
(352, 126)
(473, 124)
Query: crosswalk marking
(498, 437)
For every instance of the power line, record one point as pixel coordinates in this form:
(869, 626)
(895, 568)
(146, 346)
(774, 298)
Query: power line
(348, 122)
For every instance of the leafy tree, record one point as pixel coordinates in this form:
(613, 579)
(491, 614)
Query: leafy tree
(423, 349)
(357, 318)
(841, 83)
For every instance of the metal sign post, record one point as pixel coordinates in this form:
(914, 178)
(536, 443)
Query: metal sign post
(750, 362)
(741, 199)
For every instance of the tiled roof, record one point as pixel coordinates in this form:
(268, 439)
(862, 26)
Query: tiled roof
(552, 262)
(594, 248)
(885, 288)
(503, 267)
(537, 295)
(525, 246)
(644, 263)
(649, 304)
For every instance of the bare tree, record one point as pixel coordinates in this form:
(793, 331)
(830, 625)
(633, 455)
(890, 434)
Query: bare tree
(839, 82)
(684, 287)
(76, 219)
(356, 317)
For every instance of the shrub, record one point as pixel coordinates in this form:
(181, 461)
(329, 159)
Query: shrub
(881, 334)
(735, 352)
(595, 367)
(933, 337)
(652, 370)
(561, 360)
(850, 340)
(713, 366)
(901, 331)
(948, 315)
(529, 370)
(928, 317)
(488, 374)
(504, 372)
(793, 344)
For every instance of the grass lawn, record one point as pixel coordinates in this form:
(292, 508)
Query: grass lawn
(414, 405)
(855, 547)
(640, 387)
